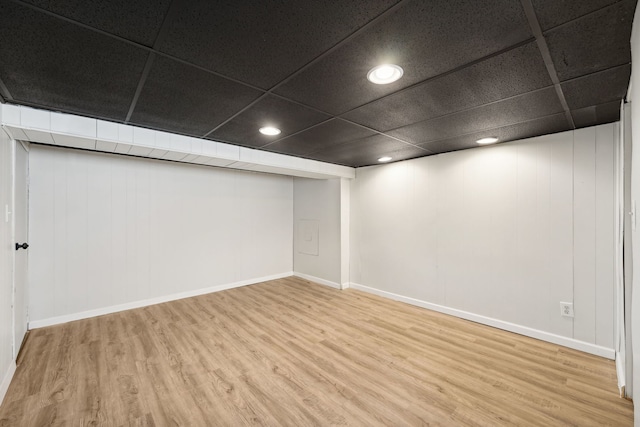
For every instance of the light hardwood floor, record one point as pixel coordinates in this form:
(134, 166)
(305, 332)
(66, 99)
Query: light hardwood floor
(288, 352)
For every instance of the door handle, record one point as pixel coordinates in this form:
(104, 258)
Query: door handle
(23, 246)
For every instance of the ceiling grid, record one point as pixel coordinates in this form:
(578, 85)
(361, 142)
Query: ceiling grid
(221, 71)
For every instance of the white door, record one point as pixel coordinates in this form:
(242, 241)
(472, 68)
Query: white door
(21, 198)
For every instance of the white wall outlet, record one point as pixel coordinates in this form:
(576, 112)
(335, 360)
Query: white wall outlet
(566, 309)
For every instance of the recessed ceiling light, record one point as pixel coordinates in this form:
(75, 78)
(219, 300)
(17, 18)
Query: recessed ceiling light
(489, 140)
(384, 74)
(385, 159)
(269, 130)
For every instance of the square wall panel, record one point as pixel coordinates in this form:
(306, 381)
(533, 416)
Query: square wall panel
(61, 66)
(319, 138)
(425, 38)
(507, 112)
(273, 111)
(262, 42)
(308, 233)
(542, 126)
(135, 20)
(514, 72)
(598, 88)
(594, 42)
(184, 99)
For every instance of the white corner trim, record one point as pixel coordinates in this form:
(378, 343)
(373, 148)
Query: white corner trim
(317, 280)
(144, 303)
(8, 376)
(597, 350)
(621, 374)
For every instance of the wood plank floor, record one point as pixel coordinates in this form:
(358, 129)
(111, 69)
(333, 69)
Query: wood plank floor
(288, 352)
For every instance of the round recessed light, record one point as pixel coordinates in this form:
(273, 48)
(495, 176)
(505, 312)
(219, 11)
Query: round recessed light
(489, 140)
(385, 159)
(384, 74)
(269, 130)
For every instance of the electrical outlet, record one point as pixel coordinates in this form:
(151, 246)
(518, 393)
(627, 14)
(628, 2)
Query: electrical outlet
(566, 309)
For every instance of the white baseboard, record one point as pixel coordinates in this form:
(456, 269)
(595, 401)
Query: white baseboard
(144, 303)
(597, 350)
(318, 280)
(8, 376)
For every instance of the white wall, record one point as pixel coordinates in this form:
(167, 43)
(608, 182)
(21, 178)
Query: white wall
(107, 230)
(7, 364)
(345, 232)
(500, 234)
(318, 200)
(628, 252)
(635, 201)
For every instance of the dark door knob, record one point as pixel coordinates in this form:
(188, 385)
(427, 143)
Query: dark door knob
(23, 246)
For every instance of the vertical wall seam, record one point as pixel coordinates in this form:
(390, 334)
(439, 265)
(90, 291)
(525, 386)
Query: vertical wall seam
(294, 224)
(66, 232)
(111, 233)
(573, 228)
(86, 234)
(595, 237)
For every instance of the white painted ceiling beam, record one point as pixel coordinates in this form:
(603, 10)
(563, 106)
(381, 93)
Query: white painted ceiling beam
(68, 130)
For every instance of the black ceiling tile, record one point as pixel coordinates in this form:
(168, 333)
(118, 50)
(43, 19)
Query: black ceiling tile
(366, 151)
(514, 72)
(452, 144)
(405, 153)
(319, 138)
(597, 114)
(62, 66)
(542, 126)
(593, 43)
(509, 111)
(424, 38)
(262, 42)
(597, 88)
(447, 104)
(184, 99)
(269, 111)
(138, 20)
(552, 13)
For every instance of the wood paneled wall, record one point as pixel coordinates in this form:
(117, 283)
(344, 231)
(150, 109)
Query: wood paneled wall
(108, 230)
(506, 232)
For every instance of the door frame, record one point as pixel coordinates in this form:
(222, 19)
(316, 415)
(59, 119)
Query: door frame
(15, 345)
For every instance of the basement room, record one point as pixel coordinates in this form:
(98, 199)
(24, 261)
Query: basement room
(318, 213)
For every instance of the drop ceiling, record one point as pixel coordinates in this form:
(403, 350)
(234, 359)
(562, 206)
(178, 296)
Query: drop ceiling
(221, 70)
